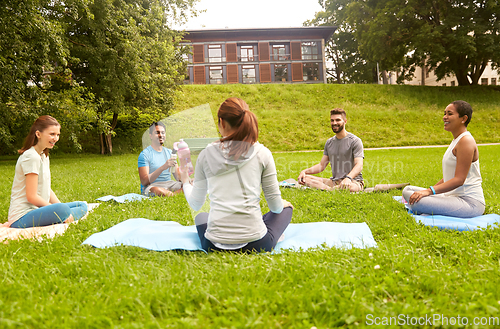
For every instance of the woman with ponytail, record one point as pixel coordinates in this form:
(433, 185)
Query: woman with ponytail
(32, 201)
(232, 172)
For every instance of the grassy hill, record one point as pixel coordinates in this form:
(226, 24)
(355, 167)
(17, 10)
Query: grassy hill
(296, 117)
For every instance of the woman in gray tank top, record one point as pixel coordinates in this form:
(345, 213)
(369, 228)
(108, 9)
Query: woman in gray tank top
(459, 192)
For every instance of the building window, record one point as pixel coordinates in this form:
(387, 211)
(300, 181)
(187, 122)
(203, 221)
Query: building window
(216, 75)
(280, 72)
(198, 53)
(279, 53)
(246, 54)
(187, 77)
(444, 84)
(453, 83)
(310, 71)
(248, 74)
(484, 81)
(214, 53)
(493, 81)
(310, 50)
(185, 57)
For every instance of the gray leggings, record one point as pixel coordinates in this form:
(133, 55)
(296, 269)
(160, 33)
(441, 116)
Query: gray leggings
(440, 204)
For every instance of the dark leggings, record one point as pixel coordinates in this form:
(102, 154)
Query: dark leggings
(275, 223)
(52, 214)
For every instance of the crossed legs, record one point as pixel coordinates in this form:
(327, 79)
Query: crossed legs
(275, 223)
(330, 185)
(160, 191)
(52, 214)
(463, 207)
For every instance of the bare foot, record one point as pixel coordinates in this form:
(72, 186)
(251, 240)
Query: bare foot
(160, 191)
(70, 219)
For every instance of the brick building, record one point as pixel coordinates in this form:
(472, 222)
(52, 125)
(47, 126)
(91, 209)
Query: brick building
(274, 55)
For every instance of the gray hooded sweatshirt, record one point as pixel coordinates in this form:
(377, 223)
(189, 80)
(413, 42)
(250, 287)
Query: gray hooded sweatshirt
(234, 188)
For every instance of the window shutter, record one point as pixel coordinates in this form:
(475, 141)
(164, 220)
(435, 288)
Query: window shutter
(297, 74)
(199, 75)
(198, 54)
(265, 72)
(232, 73)
(296, 51)
(263, 51)
(231, 52)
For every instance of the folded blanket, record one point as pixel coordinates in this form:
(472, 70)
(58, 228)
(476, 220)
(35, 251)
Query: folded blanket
(123, 198)
(40, 232)
(37, 233)
(454, 223)
(162, 236)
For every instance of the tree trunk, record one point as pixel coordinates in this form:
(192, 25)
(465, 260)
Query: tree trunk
(462, 78)
(422, 75)
(375, 75)
(105, 139)
(477, 71)
(385, 81)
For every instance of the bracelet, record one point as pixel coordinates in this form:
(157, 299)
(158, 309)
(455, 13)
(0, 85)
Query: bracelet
(433, 190)
(347, 176)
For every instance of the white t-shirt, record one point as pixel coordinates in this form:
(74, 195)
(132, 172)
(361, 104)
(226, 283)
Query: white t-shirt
(30, 162)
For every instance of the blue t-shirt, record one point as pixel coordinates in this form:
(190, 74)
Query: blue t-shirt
(153, 159)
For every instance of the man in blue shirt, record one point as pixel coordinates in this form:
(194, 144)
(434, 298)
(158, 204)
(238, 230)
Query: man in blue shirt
(154, 165)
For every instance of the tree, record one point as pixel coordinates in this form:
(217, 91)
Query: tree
(29, 45)
(342, 48)
(124, 53)
(449, 36)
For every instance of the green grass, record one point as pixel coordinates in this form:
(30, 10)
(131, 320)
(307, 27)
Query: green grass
(59, 283)
(296, 117)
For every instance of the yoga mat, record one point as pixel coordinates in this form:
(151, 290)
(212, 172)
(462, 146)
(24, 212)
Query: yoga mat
(454, 223)
(168, 235)
(123, 198)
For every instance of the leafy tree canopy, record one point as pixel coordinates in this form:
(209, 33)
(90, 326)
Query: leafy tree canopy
(452, 37)
(343, 49)
(106, 57)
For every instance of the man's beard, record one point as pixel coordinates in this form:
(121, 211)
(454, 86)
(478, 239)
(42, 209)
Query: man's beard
(338, 129)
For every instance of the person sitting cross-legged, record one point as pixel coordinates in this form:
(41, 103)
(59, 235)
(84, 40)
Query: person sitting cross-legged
(459, 193)
(234, 171)
(33, 203)
(344, 152)
(154, 165)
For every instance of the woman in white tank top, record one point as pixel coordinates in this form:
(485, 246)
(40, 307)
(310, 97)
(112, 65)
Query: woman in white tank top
(459, 192)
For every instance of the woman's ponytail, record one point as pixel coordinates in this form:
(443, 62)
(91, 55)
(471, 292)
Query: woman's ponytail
(236, 113)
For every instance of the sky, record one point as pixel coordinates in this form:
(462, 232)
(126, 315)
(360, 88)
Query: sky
(234, 14)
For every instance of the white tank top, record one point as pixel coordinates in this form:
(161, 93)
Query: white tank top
(472, 185)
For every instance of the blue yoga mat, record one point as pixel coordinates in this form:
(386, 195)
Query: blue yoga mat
(123, 198)
(454, 223)
(168, 235)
